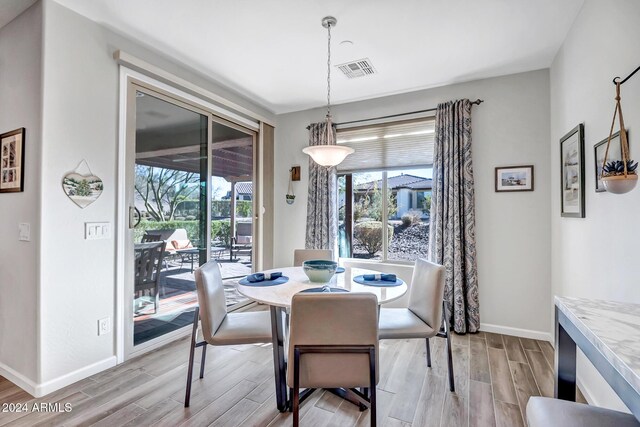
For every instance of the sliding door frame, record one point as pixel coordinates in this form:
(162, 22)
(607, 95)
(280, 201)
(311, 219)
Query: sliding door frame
(130, 82)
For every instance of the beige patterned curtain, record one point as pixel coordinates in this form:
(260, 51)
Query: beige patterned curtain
(452, 240)
(322, 203)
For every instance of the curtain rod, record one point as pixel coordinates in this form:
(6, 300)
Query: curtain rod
(476, 102)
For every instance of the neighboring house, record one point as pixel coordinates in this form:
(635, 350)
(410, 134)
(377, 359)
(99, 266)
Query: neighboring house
(244, 191)
(409, 191)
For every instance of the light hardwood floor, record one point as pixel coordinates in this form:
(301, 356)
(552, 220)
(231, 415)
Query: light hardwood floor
(495, 376)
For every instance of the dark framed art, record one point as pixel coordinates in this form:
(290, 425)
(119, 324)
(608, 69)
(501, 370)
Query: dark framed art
(614, 154)
(572, 173)
(12, 161)
(514, 178)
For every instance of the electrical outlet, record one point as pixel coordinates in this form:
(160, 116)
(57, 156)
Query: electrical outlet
(104, 326)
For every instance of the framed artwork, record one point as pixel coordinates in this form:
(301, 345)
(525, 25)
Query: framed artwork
(572, 173)
(614, 154)
(12, 161)
(514, 178)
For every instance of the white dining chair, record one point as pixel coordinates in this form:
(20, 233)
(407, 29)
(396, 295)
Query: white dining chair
(334, 343)
(547, 412)
(218, 326)
(302, 255)
(425, 316)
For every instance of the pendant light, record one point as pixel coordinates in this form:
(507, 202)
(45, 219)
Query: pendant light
(330, 154)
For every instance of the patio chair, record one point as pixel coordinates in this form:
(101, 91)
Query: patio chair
(241, 243)
(148, 263)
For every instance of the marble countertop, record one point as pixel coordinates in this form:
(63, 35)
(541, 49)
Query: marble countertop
(613, 328)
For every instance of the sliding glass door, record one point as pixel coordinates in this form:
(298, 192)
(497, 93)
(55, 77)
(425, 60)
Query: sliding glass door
(190, 181)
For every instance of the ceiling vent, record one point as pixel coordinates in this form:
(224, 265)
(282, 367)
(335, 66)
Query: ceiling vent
(359, 68)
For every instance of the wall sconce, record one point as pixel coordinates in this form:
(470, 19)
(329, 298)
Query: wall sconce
(294, 175)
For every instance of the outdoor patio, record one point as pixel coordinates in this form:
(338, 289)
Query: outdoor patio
(178, 296)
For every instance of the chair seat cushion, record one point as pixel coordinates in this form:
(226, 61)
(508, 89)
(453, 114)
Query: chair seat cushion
(400, 323)
(547, 412)
(243, 328)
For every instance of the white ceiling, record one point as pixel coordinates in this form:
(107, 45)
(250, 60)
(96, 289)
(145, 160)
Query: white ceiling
(274, 52)
(9, 9)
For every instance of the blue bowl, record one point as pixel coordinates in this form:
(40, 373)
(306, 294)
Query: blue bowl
(319, 270)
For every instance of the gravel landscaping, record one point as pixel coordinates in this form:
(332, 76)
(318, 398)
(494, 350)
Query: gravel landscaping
(408, 243)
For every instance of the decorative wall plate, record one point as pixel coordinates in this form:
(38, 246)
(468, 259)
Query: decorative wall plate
(82, 189)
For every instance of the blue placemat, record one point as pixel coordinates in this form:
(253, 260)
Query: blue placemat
(339, 270)
(279, 281)
(325, 289)
(378, 283)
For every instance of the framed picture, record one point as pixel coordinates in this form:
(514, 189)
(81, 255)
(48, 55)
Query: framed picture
(614, 154)
(572, 173)
(12, 161)
(514, 178)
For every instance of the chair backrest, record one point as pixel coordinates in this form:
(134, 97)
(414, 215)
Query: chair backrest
(427, 292)
(146, 238)
(244, 232)
(147, 264)
(302, 255)
(333, 319)
(213, 306)
(403, 271)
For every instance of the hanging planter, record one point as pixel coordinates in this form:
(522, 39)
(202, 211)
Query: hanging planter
(620, 176)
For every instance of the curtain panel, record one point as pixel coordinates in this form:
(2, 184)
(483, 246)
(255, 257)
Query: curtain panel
(452, 240)
(322, 202)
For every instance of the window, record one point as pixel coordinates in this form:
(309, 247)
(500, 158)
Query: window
(385, 191)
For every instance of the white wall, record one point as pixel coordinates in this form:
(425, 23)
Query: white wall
(80, 104)
(596, 257)
(20, 84)
(510, 128)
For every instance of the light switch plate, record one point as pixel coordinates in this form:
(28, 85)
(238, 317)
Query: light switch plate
(97, 230)
(24, 232)
(104, 326)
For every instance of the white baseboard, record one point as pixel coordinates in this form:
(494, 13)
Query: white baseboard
(18, 379)
(524, 333)
(75, 376)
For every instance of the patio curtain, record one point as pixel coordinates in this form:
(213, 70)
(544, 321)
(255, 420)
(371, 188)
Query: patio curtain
(452, 240)
(322, 202)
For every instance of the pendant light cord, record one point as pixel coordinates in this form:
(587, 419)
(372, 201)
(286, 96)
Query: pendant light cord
(329, 70)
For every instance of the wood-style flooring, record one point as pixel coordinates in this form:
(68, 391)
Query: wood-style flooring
(495, 376)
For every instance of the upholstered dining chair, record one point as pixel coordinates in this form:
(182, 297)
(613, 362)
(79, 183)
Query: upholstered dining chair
(333, 342)
(217, 326)
(302, 255)
(547, 412)
(425, 316)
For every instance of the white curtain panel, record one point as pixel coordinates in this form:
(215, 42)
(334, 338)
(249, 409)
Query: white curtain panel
(322, 203)
(452, 234)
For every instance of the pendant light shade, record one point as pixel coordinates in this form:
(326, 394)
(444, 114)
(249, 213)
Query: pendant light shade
(330, 154)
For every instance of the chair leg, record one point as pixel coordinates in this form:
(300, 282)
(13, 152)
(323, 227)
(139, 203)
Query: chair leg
(372, 386)
(296, 387)
(204, 356)
(192, 352)
(452, 386)
(428, 353)
(156, 301)
(290, 409)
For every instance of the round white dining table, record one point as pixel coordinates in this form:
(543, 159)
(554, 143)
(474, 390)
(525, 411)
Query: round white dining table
(279, 297)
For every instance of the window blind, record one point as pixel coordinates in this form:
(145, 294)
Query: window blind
(392, 145)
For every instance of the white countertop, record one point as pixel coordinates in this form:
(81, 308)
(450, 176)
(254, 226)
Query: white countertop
(613, 328)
